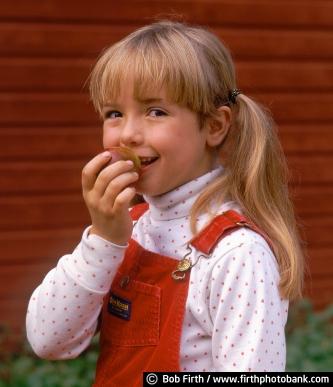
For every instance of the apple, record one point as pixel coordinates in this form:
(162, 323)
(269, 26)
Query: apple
(124, 153)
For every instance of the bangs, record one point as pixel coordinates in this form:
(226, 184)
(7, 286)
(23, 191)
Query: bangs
(154, 61)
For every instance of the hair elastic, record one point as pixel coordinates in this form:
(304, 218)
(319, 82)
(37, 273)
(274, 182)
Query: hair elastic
(233, 94)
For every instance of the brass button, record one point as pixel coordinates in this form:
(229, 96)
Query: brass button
(124, 281)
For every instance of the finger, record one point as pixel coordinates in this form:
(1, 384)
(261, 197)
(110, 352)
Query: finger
(113, 176)
(123, 201)
(119, 184)
(92, 169)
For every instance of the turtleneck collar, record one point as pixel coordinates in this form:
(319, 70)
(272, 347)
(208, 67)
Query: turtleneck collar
(178, 202)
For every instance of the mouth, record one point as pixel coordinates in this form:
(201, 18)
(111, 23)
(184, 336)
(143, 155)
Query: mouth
(146, 161)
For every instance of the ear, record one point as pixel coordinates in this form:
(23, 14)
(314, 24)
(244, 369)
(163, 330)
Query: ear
(218, 127)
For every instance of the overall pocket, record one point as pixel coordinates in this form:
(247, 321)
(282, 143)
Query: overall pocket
(131, 315)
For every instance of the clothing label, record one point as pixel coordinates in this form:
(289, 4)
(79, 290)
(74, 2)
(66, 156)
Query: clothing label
(119, 307)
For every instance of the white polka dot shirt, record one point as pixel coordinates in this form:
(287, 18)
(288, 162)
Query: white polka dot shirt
(234, 318)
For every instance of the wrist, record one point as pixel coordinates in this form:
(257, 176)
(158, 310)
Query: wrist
(118, 242)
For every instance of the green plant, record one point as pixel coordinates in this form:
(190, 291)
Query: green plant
(24, 369)
(309, 338)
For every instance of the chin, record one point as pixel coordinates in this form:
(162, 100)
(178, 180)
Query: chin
(155, 189)
(150, 192)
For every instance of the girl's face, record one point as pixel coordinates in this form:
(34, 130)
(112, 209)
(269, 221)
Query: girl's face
(167, 138)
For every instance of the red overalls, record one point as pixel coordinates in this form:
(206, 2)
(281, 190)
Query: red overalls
(143, 314)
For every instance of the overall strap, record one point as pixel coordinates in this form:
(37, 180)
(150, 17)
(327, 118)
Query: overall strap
(221, 226)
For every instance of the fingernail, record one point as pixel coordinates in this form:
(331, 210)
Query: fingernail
(106, 154)
(130, 162)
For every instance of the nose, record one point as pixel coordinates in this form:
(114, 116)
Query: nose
(131, 133)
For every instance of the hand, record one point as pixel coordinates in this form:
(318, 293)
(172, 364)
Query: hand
(107, 195)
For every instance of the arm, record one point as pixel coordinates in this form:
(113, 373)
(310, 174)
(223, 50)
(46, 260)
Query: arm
(247, 312)
(63, 311)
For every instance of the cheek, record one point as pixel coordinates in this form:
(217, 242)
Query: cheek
(175, 147)
(110, 138)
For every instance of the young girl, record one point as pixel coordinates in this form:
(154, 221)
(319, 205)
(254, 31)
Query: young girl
(199, 277)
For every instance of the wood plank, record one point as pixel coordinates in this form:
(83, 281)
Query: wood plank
(40, 74)
(37, 246)
(49, 143)
(20, 280)
(49, 212)
(320, 290)
(12, 319)
(43, 109)
(58, 40)
(46, 212)
(317, 259)
(298, 108)
(46, 109)
(87, 41)
(311, 200)
(276, 44)
(43, 74)
(317, 231)
(26, 177)
(306, 138)
(226, 12)
(284, 75)
(311, 169)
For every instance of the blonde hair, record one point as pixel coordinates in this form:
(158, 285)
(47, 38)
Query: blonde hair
(197, 71)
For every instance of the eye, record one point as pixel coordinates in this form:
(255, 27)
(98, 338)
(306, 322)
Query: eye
(154, 112)
(111, 114)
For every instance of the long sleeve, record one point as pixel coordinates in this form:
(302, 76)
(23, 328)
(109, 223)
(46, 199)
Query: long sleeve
(63, 310)
(247, 312)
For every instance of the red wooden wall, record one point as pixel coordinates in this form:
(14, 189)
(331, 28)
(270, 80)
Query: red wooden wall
(48, 129)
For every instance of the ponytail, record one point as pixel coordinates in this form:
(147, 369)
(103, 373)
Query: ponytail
(256, 177)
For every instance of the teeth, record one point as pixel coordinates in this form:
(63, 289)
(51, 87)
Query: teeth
(147, 159)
